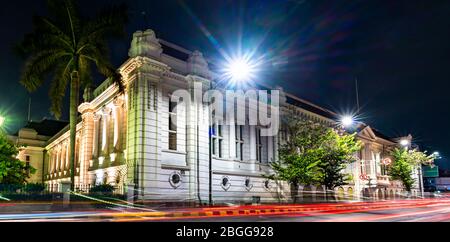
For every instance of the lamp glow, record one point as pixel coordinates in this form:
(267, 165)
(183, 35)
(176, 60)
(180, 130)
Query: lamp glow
(404, 142)
(347, 121)
(240, 69)
(2, 121)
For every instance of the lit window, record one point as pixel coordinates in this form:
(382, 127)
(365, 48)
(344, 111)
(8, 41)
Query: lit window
(239, 142)
(217, 140)
(258, 146)
(172, 126)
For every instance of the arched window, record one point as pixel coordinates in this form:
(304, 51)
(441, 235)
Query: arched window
(225, 183)
(350, 193)
(341, 193)
(105, 178)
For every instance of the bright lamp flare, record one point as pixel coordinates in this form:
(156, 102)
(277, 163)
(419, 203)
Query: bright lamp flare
(2, 121)
(347, 121)
(404, 142)
(240, 70)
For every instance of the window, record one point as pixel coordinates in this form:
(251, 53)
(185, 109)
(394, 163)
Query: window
(175, 179)
(239, 142)
(248, 184)
(27, 167)
(225, 183)
(258, 146)
(217, 140)
(105, 178)
(172, 126)
(363, 170)
(383, 170)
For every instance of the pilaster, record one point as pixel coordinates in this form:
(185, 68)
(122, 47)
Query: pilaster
(87, 142)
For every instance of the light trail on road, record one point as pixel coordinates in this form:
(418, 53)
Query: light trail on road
(325, 212)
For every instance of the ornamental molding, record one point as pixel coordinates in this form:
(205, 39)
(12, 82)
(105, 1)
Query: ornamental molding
(142, 64)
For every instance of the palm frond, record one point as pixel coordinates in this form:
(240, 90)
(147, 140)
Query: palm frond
(85, 72)
(109, 23)
(104, 66)
(66, 14)
(37, 67)
(58, 87)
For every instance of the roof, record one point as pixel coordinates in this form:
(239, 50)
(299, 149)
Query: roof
(174, 50)
(310, 107)
(47, 127)
(381, 135)
(376, 132)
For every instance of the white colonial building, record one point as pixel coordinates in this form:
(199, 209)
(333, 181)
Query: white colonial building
(129, 140)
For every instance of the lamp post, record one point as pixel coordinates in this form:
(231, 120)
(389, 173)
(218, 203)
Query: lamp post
(236, 70)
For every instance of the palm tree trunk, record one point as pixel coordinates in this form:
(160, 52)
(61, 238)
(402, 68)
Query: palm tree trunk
(74, 92)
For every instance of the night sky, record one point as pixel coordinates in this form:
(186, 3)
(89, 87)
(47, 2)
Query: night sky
(398, 51)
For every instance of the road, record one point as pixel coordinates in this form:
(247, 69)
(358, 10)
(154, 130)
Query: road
(423, 210)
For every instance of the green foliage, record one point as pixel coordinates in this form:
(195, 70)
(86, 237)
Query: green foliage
(10, 188)
(102, 189)
(12, 170)
(65, 43)
(300, 156)
(339, 150)
(314, 154)
(403, 164)
(64, 47)
(34, 187)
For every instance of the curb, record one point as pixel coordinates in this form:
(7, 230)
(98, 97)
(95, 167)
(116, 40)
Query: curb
(240, 212)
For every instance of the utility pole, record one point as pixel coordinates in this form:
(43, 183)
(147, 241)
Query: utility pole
(357, 96)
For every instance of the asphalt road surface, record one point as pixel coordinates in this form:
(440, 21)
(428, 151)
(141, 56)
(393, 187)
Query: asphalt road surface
(423, 210)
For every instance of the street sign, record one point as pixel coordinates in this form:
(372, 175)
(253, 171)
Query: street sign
(429, 171)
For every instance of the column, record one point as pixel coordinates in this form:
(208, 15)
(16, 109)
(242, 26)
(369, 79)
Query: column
(58, 161)
(95, 133)
(87, 141)
(275, 146)
(117, 112)
(232, 140)
(67, 167)
(144, 133)
(52, 161)
(192, 120)
(270, 149)
(104, 127)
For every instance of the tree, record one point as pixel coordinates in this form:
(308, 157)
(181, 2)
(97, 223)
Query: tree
(12, 170)
(300, 156)
(404, 161)
(64, 46)
(314, 154)
(339, 150)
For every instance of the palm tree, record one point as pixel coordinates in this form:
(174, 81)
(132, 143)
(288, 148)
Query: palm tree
(63, 48)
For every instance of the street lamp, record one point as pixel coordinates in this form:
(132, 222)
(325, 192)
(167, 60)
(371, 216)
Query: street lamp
(237, 70)
(2, 121)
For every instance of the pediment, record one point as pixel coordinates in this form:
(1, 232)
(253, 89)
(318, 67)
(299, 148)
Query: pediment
(367, 133)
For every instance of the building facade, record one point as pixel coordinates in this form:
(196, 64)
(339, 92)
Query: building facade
(139, 142)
